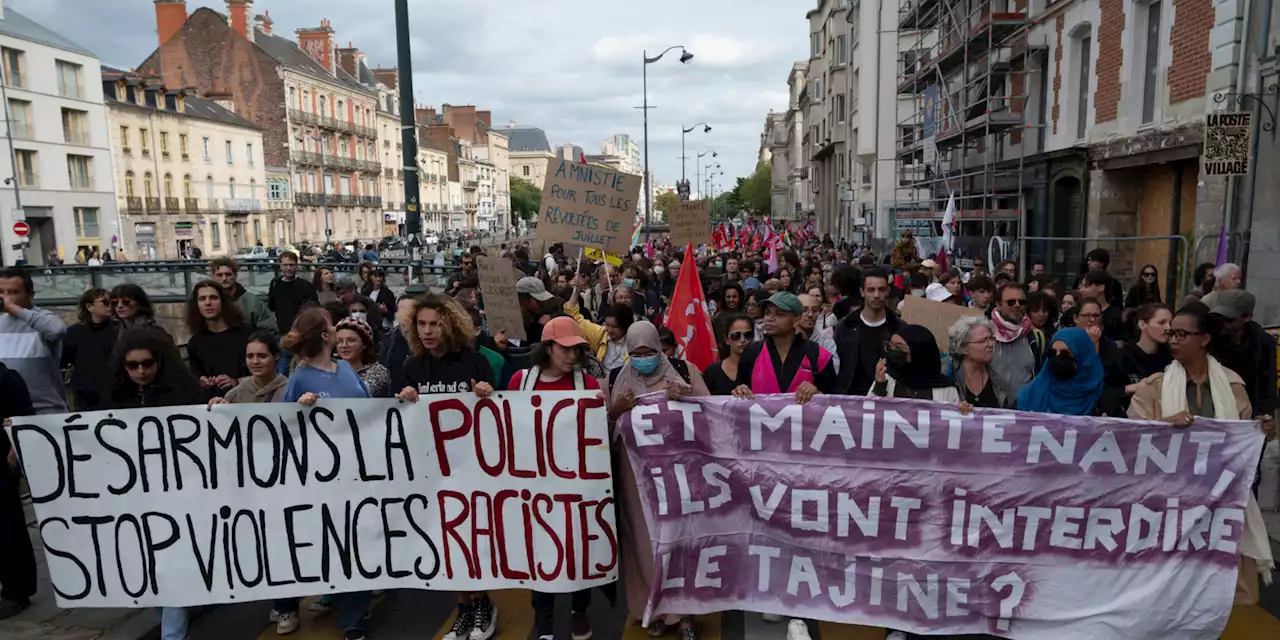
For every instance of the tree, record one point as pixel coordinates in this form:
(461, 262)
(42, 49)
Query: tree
(666, 202)
(525, 198)
(756, 192)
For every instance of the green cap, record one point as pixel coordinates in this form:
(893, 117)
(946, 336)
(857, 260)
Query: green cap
(785, 301)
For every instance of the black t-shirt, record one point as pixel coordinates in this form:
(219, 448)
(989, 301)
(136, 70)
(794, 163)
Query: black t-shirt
(718, 382)
(453, 373)
(219, 354)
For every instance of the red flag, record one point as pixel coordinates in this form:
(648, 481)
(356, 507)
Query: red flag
(688, 317)
(583, 156)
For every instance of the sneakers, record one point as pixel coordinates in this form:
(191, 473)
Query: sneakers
(486, 619)
(286, 623)
(798, 630)
(580, 626)
(462, 624)
(274, 616)
(322, 605)
(10, 608)
(771, 617)
(896, 635)
(354, 634)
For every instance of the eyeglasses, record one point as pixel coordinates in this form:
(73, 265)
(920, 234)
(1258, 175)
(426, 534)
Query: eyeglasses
(121, 302)
(983, 342)
(1090, 316)
(1180, 334)
(1017, 302)
(138, 365)
(1148, 274)
(740, 335)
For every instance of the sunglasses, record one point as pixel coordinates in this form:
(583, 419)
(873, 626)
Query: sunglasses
(1016, 302)
(138, 365)
(740, 335)
(1148, 274)
(121, 301)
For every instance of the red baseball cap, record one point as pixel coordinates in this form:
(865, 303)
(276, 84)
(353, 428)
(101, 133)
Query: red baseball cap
(563, 331)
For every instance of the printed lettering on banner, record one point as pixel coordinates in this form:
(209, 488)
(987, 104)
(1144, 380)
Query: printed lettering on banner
(690, 222)
(907, 514)
(501, 304)
(588, 205)
(186, 506)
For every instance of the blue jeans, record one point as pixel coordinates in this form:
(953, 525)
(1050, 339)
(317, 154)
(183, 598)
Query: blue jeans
(173, 623)
(352, 609)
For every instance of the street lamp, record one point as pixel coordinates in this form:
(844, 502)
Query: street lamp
(706, 128)
(699, 167)
(685, 57)
(708, 168)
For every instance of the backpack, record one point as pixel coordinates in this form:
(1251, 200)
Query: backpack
(681, 367)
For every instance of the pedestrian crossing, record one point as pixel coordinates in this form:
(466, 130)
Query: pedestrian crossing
(409, 615)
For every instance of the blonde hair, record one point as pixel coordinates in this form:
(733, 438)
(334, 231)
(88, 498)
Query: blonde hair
(457, 329)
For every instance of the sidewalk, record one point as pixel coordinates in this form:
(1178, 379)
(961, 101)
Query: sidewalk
(45, 621)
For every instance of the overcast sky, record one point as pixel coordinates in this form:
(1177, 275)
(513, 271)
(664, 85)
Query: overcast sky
(567, 66)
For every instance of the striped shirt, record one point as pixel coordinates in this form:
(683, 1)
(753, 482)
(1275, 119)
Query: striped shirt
(31, 345)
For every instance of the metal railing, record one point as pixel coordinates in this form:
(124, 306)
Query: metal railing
(153, 204)
(171, 205)
(133, 204)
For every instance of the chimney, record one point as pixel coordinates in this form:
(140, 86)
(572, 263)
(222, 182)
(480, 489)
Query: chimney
(170, 16)
(238, 11)
(317, 42)
(264, 22)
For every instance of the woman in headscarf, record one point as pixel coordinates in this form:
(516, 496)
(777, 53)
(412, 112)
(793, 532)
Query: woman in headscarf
(912, 368)
(1195, 385)
(647, 371)
(1070, 383)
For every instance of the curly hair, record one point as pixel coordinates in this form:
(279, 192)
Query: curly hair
(171, 373)
(456, 329)
(87, 298)
(230, 313)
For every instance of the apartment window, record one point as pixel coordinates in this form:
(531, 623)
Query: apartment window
(182, 145)
(208, 188)
(293, 98)
(144, 142)
(342, 111)
(207, 158)
(168, 185)
(124, 139)
(278, 190)
(840, 108)
(815, 44)
(215, 234)
(1082, 89)
(20, 119)
(525, 169)
(148, 185)
(79, 168)
(186, 186)
(87, 222)
(817, 89)
(253, 189)
(70, 82)
(248, 152)
(1150, 63)
(128, 184)
(13, 67)
(75, 126)
(230, 158)
(231, 188)
(842, 51)
(164, 143)
(28, 175)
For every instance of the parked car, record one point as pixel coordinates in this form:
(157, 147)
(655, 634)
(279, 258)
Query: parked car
(253, 253)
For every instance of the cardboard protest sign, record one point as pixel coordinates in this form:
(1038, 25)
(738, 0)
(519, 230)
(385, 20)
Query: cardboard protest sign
(906, 514)
(690, 222)
(185, 506)
(588, 205)
(501, 304)
(937, 317)
(597, 255)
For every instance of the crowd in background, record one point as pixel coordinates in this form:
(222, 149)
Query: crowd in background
(815, 318)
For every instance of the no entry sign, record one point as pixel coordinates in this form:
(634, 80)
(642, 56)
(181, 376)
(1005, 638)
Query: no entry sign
(21, 229)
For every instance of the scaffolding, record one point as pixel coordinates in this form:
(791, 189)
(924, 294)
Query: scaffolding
(963, 65)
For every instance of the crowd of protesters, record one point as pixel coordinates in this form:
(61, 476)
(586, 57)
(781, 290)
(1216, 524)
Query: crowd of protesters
(812, 318)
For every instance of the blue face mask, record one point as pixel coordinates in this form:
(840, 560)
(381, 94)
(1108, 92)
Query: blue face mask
(645, 364)
(629, 283)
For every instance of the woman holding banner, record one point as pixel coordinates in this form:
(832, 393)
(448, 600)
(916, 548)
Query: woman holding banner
(1196, 385)
(558, 366)
(146, 370)
(647, 371)
(311, 341)
(440, 334)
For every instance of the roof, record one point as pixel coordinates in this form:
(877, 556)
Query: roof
(194, 106)
(287, 53)
(19, 26)
(525, 139)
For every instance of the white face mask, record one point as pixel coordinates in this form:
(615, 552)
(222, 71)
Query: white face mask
(659, 270)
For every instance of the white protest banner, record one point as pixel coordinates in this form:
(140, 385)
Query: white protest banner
(184, 506)
(501, 304)
(588, 205)
(690, 223)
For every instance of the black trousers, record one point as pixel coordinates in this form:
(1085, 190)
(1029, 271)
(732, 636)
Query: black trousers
(18, 569)
(544, 606)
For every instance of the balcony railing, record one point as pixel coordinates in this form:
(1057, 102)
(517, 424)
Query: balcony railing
(193, 204)
(390, 173)
(133, 204)
(309, 199)
(370, 201)
(241, 205)
(298, 115)
(153, 205)
(172, 205)
(471, 184)
(306, 157)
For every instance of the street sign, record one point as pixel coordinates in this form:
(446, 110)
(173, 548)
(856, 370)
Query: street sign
(21, 229)
(1226, 143)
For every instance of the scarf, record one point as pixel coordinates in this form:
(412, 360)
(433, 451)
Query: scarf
(1076, 396)
(1006, 332)
(1173, 400)
(643, 333)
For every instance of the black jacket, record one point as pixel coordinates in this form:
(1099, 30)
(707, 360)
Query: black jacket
(848, 335)
(86, 351)
(286, 297)
(219, 354)
(1254, 359)
(15, 401)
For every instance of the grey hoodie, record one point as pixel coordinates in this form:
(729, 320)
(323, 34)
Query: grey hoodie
(31, 345)
(247, 392)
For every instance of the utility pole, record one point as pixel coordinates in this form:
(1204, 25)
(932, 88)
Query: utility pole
(408, 132)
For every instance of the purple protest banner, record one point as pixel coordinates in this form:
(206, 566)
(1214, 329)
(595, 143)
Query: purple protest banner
(908, 515)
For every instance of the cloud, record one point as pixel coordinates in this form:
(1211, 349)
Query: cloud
(571, 69)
